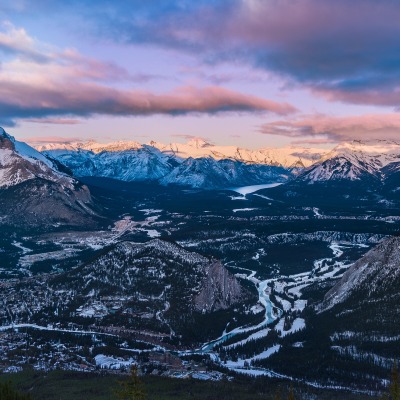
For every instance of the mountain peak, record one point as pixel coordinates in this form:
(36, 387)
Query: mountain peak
(4, 134)
(198, 143)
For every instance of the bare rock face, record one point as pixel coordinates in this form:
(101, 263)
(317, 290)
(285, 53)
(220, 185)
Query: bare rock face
(219, 290)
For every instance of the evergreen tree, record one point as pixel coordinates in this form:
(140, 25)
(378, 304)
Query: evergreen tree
(7, 392)
(291, 393)
(394, 384)
(394, 387)
(132, 388)
(278, 395)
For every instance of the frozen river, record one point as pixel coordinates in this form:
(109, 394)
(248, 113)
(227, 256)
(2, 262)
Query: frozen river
(244, 190)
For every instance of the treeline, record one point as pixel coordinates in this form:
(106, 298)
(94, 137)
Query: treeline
(136, 387)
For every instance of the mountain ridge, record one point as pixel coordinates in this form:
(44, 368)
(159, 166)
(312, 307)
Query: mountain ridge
(197, 148)
(353, 161)
(35, 190)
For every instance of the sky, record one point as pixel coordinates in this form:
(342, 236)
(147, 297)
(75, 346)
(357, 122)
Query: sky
(251, 73)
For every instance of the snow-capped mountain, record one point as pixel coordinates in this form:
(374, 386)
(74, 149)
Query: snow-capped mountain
(201, 164)
(198, 148)
(34, 189)
(135, 162)
(284, 157)
(210, 173)
(353, 161)
(19, 162)
(90, 145)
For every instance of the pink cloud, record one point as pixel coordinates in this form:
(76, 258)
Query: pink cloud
(17, 41)
(51, 139)
(332, 128)
(45, 83)
(347, 49)
(367, 96)
(56, 121)
(49, 61)
(313, 141)
(190, 137)
(45, 99)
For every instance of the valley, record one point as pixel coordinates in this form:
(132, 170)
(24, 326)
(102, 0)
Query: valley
(221, 283)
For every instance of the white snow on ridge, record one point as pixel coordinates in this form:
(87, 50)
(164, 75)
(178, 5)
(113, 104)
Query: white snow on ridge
(199, 148)
(28, 152)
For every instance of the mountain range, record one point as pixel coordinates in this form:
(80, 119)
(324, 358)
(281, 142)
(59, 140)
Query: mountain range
(173, 290)
(199, 148)
(203, 165)
(43, 187)
(134, 162)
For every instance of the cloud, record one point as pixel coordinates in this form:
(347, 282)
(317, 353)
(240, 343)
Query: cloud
(328, 129)
(314, 142)
(64, 83)
(32, 100)
(55, 121)
(16, 41)
(383, 96)
(37, 140)
(29, 55)
(343, 49)
(191, 137)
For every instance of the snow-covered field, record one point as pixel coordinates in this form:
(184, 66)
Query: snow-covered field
(107, 362)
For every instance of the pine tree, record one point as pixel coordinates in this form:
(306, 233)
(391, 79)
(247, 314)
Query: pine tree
(278, 395)
(132, 388)
(7, 392)
(394, 387)
(291, 393)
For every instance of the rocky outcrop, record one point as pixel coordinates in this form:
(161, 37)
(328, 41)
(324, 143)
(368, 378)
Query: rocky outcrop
(219, 290)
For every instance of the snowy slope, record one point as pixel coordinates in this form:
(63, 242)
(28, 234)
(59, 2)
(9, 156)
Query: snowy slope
(374, 276)
(34, 191)
(285, 157)
(198, 148)
(210, 173)
(148, 163)
(20, 162)
(140, 164)
(353, 161)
